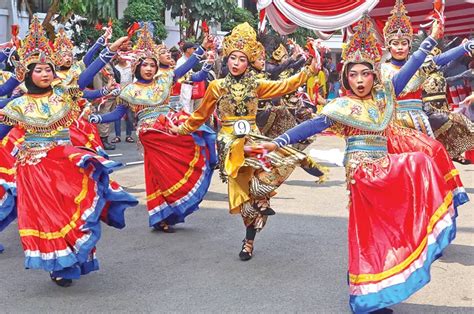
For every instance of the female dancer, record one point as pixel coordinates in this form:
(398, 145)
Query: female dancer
(236, 99)
(178, 170)
(409, 114)
(398, 34)
(401, 214)
(59, 223)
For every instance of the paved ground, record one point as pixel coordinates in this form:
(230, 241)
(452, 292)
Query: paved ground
(299, 263)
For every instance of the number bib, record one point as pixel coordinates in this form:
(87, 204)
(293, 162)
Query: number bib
(241, 128)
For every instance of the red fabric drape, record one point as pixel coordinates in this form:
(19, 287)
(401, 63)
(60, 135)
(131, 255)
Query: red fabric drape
(325, 7)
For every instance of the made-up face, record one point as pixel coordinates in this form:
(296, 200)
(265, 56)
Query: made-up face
(165, 56)
(42, 75)
(259, 64)
(237, 63)
(399, 49)
(67, 59)
(148, 69)
(361, 79)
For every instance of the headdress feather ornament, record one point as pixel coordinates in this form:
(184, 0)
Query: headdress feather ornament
(35, 48)
(398, 25)
(243, 38)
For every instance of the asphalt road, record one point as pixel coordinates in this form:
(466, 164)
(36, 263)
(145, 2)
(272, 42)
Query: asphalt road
(299, 262)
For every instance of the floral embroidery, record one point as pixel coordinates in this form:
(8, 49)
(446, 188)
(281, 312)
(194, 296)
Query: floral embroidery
(30, 107)
(356, 109)
(373, 113)
(45, 109)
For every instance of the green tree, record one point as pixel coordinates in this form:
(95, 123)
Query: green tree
(94, 9)
(238, 16)
(146, 11)
(191, 11)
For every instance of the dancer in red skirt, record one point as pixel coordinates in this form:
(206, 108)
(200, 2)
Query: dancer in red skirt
(178, 170)
(401, 211)
(63, 191)
(411, 130)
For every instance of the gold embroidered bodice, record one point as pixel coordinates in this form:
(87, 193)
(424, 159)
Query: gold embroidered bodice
(434, 92)
(363, 123)
(389, 70)
(71, 76)
(237, 99)
(43, 115)
(149, 97)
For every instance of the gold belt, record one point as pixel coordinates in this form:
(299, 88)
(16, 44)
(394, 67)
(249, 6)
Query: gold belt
(437, 97)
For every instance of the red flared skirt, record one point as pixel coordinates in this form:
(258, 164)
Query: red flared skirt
(61, 200)
(178, 170)
(400, 220)
(405, 140)
(86, 134)
(8, 148)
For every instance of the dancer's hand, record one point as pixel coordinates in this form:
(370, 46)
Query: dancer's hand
(108, 33)
(173, 128)
(208, 42)
(119, 42)
(86, 112)
(468, 100)
(269, 146)
(437, 30)
(315, 65)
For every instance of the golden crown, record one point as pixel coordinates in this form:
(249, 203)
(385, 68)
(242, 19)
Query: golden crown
(244, 39)
(62, 44)
(363, 46)
(398, 25)
(146, 46)
(279, 53)
(35, 48)
(260, 50)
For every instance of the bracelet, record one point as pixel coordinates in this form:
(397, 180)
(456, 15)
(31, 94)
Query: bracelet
(104, 91)
(428, 44)
(106, 55)
(469, 47)
(101, 41)
(95, 119)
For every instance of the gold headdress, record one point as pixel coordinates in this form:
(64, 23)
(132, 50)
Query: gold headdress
(62, 44)
(35, 48)
(279, 53)
(260, 50)
(362, 48)
(244, 39)
(146, 46)
(398, 25)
